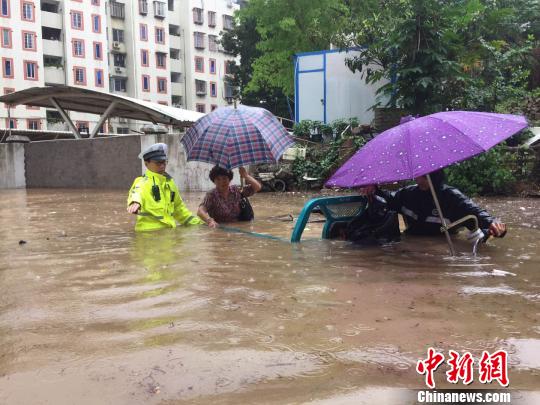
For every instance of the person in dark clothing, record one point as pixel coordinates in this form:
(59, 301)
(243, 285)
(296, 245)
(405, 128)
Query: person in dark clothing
(416, 205)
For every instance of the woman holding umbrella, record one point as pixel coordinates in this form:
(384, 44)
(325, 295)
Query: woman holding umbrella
(222, 204)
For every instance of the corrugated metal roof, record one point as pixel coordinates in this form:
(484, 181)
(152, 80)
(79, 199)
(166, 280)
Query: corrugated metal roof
(96, 102)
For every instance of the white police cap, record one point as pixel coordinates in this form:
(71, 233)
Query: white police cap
(157, 151)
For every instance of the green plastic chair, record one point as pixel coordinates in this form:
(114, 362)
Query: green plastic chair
(335, 209)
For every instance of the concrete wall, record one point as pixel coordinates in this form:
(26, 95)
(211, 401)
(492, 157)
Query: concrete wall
(108, 163)
(83, 163)
(12, 165)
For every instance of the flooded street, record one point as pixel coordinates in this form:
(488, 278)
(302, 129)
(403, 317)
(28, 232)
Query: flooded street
(92, 313)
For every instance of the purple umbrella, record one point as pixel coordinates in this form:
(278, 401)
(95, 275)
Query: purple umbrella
(423, 145)
(236, 136)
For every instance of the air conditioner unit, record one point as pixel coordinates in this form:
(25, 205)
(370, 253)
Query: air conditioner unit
(116, 45)
(118, 70)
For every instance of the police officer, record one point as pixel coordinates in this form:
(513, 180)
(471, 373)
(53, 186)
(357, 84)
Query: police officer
(154, 197)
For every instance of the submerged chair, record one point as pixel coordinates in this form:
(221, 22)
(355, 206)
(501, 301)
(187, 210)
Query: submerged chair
(335, 209)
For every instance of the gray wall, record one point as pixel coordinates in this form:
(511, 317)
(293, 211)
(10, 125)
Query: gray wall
(12, 165)
(82, 163)
(108, 163)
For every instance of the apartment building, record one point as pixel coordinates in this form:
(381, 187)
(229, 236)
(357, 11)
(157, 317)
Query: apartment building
(160, 51)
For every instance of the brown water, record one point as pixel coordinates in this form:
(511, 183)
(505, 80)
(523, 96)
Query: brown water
(91, 313)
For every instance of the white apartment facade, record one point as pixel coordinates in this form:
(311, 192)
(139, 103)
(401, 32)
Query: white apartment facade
(158, 51)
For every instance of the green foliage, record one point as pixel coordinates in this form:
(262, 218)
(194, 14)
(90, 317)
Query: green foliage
(285, 28)
(242, 42)
(322, 159)
(487, 173)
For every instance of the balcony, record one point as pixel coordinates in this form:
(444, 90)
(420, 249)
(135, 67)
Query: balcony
(177, 89)
(54, 75)
(119, 71)
(118, 10)
(175, 42)
(117, 47)
(53, 20)
(53, 48)
(176, 65)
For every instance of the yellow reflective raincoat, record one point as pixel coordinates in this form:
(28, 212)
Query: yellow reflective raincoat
(159, 211)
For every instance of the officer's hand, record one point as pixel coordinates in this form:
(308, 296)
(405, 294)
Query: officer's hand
(134, 208)
(497, 229)
(212, 224)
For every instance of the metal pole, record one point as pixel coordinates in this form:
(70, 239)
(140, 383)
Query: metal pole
(66, 118)
(443, 222)
(102, 119)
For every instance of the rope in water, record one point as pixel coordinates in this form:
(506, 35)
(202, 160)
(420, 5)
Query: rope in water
(257, 234)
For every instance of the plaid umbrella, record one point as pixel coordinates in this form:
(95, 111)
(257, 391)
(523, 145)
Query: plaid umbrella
(232, 137)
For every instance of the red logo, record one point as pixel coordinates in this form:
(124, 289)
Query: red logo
(490, 367)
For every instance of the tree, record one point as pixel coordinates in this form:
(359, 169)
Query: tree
(287, 27)
(242, 42)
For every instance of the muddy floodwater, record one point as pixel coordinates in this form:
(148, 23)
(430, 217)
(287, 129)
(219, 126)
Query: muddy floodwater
(92, 313)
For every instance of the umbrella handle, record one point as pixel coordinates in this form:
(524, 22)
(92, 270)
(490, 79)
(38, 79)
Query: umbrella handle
(443, 222)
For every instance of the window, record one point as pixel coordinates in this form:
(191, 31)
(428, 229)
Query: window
(29, 40)
(228, 67)
(212, 43)
(8, 90)
(118, 35)
(118, 84)
(7, 41)
(161, 60)
(213, 89)
(161, 85)
(4, 10)
(200, 108)
(160, 36)
(198, 15)
(95, 2)
(213, 107)
(77, 22)
(119, 59)
(145, 83)
(79, 75)
(7, 67)
(228, 91)
(143, 7)
(199, 64)
(82, 127)
(143, 32)
(227, 22)
(98, 77)
(144, 57)
(159, 9)
(98, 51)
(118, 10)
(200, 87)
(212, 63)
(78, 48)
(33, 124)
(11, 123)
(30, 70)
(199, 40)
(27, 11)
(211, 18)
(96, 23)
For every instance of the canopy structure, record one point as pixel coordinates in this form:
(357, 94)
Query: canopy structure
(106, 105)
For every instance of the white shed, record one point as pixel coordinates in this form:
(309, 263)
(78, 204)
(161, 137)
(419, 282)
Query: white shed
(326, 89)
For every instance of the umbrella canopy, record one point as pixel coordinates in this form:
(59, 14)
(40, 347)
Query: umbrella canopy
(237, 136)
(425, 144)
